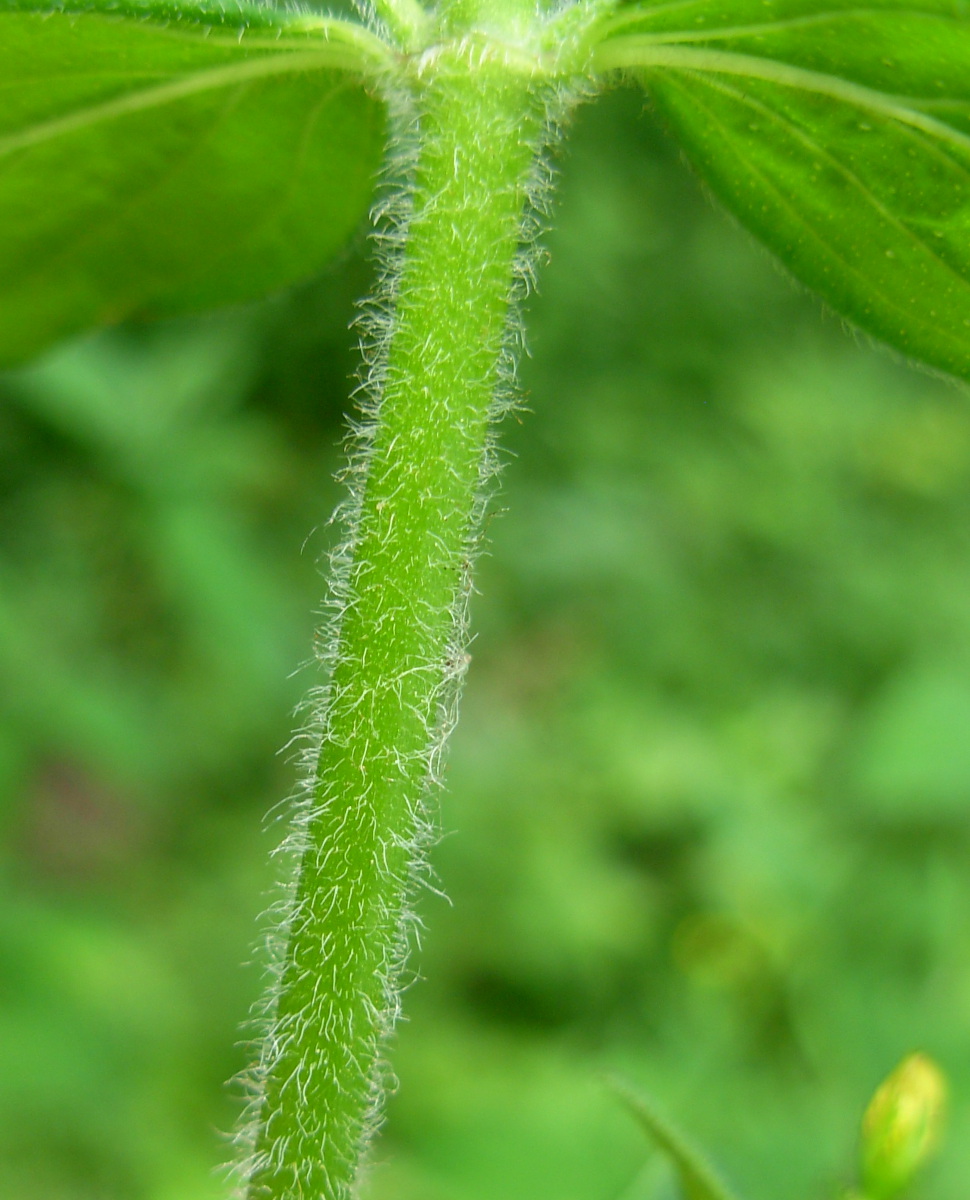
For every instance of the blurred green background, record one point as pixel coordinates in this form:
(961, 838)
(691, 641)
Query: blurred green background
(706, 811)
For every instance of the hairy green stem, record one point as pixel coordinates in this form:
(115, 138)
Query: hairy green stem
(399, 649)
(406, 21)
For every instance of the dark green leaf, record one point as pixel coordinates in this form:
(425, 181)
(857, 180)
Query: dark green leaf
(150, 168)
(696, 1176)
(840, 135)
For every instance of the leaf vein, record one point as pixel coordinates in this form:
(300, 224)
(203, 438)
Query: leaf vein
(798, 217)
(286, 195)
(166, 93)
(115, 215)
(845, 169)
(634, 52)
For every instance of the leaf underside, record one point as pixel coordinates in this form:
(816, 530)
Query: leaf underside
(149, 169)
(839, 134)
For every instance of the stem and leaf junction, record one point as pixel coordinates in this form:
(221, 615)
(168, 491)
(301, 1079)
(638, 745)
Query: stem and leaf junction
(474, 113)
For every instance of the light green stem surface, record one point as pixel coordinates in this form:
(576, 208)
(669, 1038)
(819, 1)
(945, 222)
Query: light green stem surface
(399, 650)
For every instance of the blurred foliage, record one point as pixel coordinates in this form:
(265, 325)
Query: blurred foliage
(707, 807)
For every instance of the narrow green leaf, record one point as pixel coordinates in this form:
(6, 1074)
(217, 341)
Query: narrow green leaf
(149, 168)
(697, 1178)
(840, 135)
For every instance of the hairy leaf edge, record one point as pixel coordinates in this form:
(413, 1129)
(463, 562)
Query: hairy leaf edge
(346, 45)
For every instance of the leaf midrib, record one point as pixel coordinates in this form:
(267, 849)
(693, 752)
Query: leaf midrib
(634, 51)
(211, 79)
(94, 232)
(42, 268)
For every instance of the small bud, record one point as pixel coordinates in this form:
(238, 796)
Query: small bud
(901, 1126)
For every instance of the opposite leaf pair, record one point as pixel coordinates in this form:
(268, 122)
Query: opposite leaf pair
(158, 158)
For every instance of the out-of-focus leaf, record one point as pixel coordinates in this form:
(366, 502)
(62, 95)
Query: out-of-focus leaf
(696, 1176)
(150, 168)
(840, 135)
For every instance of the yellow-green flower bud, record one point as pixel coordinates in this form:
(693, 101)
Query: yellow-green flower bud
(901, 1127)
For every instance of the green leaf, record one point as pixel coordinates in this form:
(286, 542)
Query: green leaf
(696, 1176)
(840, 135)
(150, 168)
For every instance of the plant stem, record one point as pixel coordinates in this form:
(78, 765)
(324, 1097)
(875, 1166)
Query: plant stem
(399, 650)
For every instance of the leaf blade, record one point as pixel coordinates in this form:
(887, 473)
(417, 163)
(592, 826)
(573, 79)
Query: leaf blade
(840, 138)
(149, 169)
